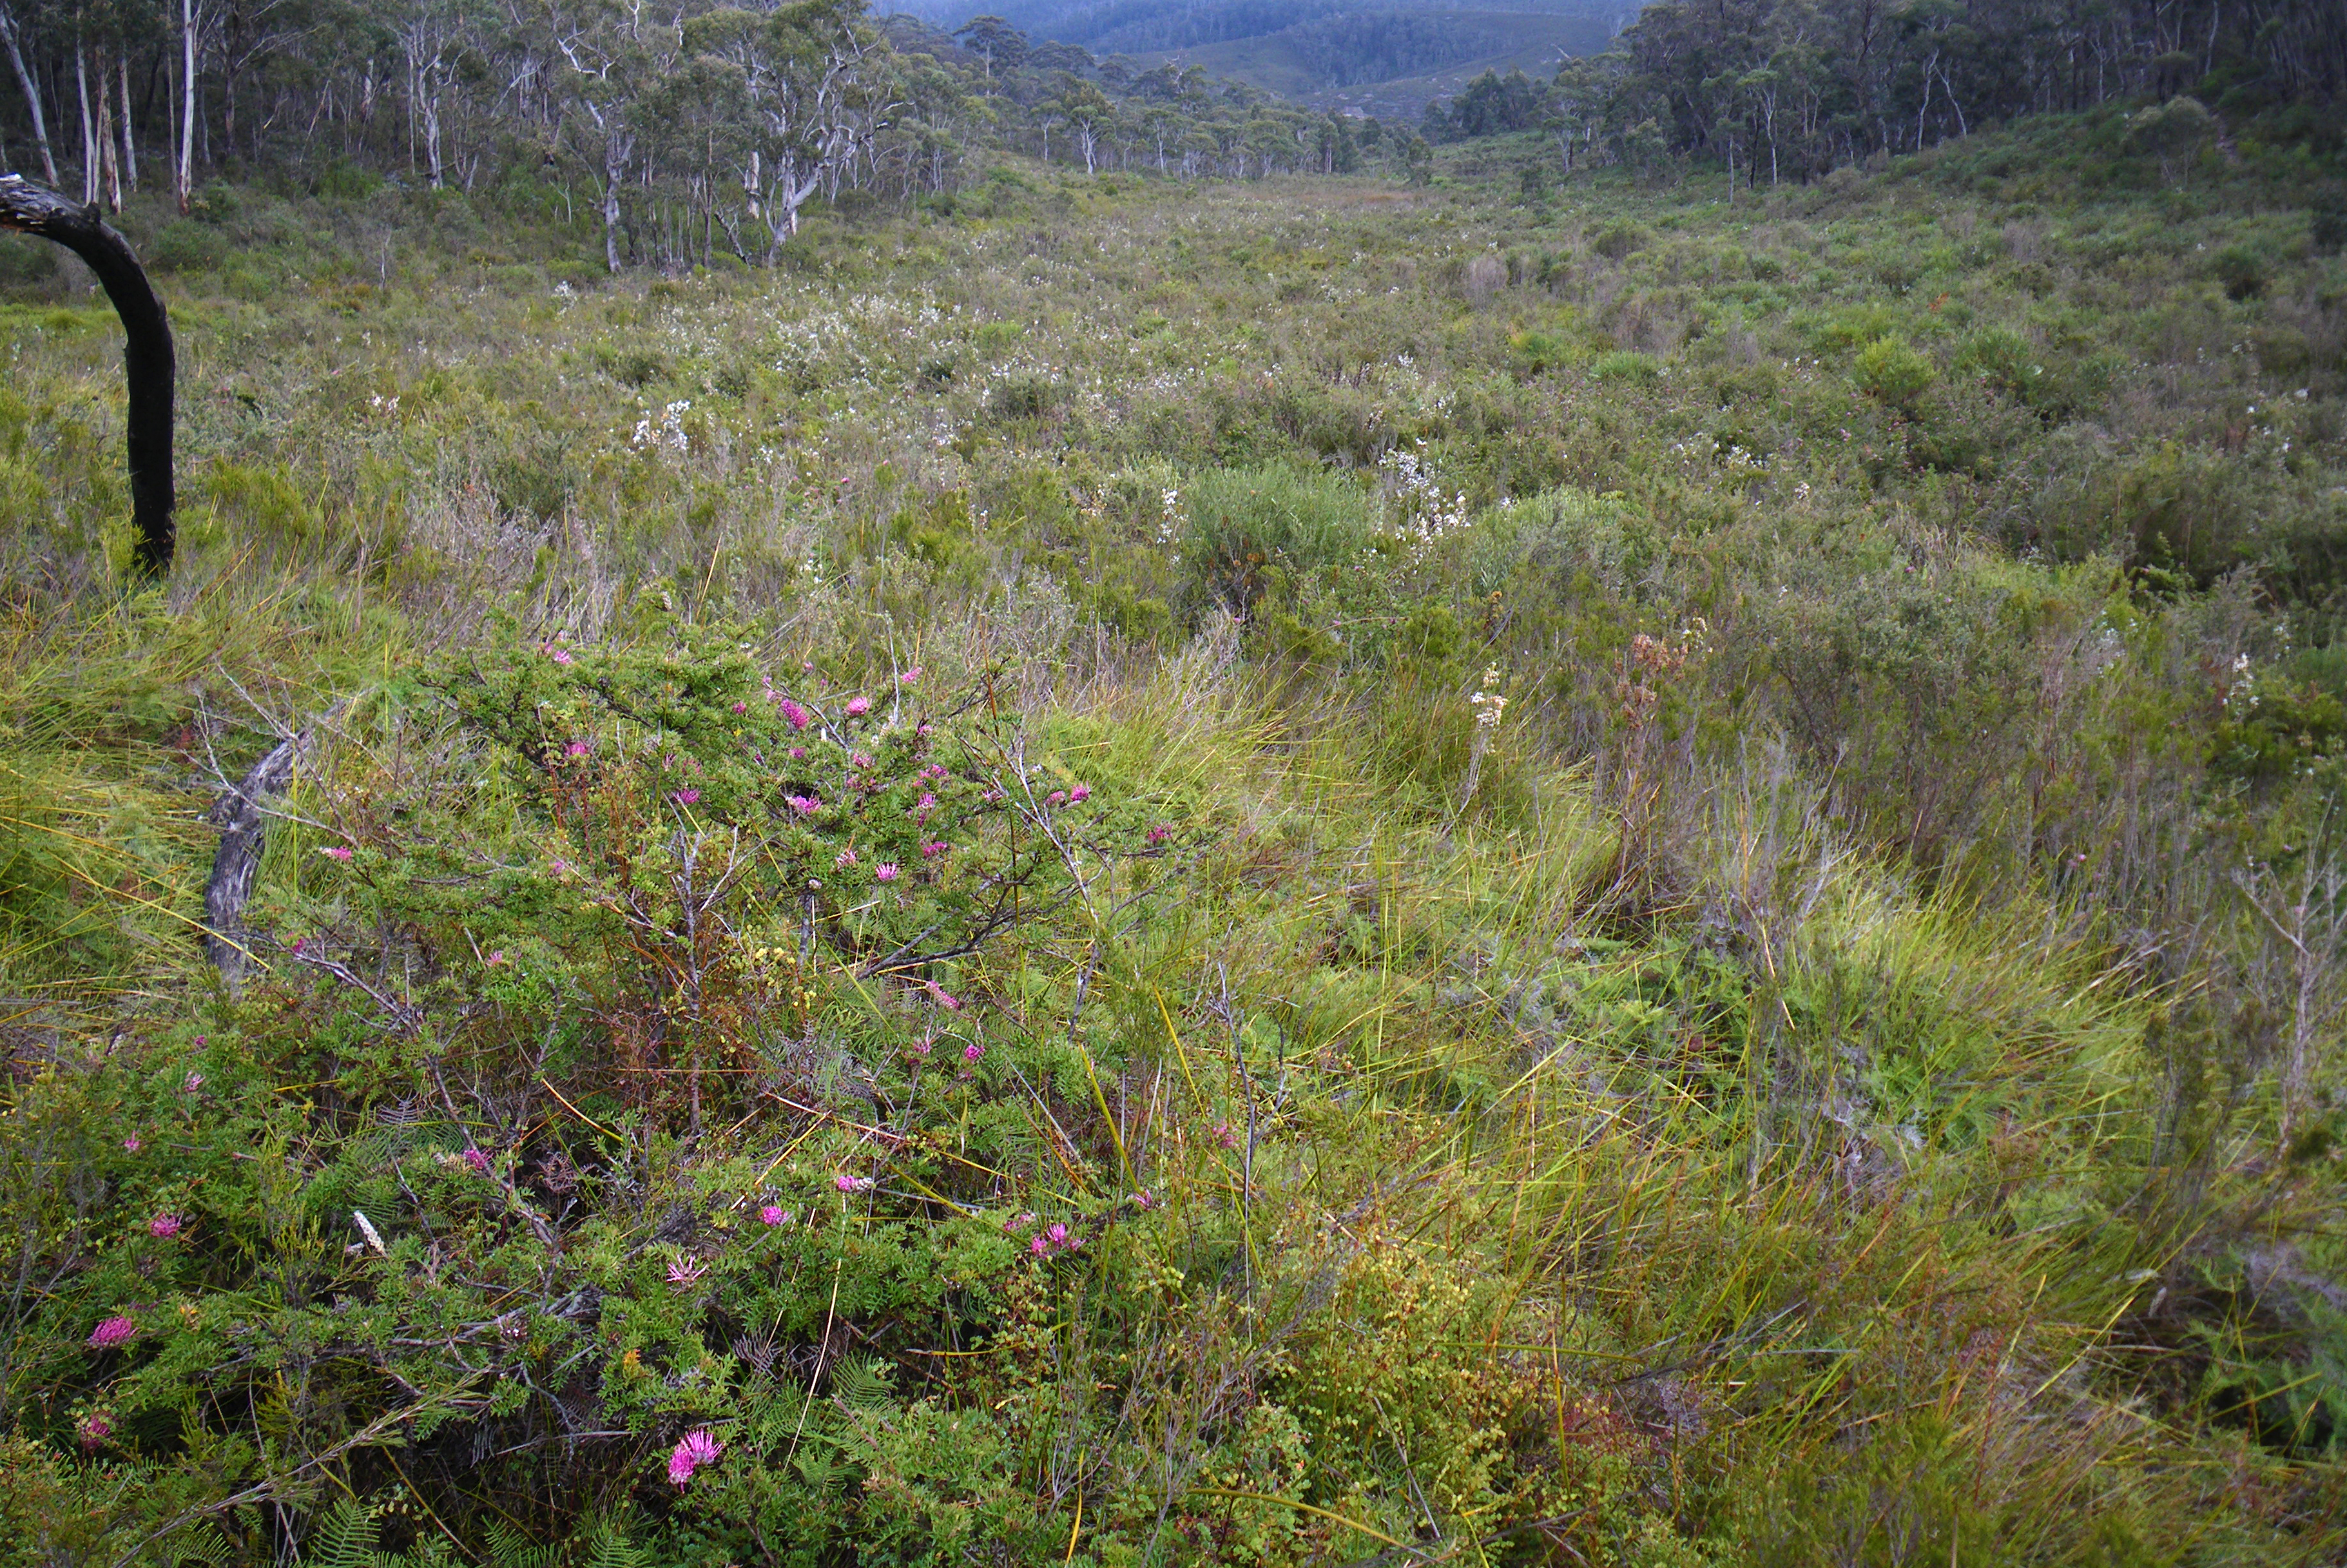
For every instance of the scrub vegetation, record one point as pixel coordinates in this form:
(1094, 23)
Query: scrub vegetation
(1468, 869)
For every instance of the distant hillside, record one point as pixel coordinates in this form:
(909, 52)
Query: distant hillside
(1382, 60)
(1391, 63)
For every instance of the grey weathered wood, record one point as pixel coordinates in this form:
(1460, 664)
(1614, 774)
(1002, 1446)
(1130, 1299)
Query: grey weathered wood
(146, 360)
(243, 824)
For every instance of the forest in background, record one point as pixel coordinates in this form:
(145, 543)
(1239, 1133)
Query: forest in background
(1403, 853)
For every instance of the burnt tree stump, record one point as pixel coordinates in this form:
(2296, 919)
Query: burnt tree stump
(146, 363)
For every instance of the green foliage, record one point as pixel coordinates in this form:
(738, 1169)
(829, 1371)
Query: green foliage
(1554, 924)
(1891, 371)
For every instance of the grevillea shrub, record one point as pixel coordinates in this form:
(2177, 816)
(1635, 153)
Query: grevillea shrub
(656, 1050)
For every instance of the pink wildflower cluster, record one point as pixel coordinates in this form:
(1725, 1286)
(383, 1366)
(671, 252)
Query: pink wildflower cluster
(911, 677)
(803, 805)
(163, 1227)
(684, 1270)
(884, 871)
(798, 718)
(96, 1427)
(934, 848)
(694, 1450)
(686, 797)
(858, 706)
(847, 1183)
(775, 1215)
(112, 1332)
(1160, 834)
(335, 852)
(1047, 1240)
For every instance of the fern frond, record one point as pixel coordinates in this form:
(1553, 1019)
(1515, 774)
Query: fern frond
(612, 1549)
(861, 1383)
(345, 1538)
(509, 1548)
(204, 1544)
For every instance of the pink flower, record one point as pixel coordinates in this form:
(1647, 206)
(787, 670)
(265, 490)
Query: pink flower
(559, 867)
(798, 753)
(741, 707)
(686, 797)
(798, 718)
(1224, 1136)
(858, 706)
(859, 760)
(1059, 1235)
(927, 730)
(478, 1161)
(972, 1051)
(945, 999)
(920, 1048)
(131, 1145)
(884, 871)
(335, 852)
(163, 1227)
(926, 803)
(1160, 834)
(694, 1450)
(931, 850)
(1037, 1245)
(847, 1183)
(496, 957)
(576, 749)
(1142, 1200)
(935, 770)
(1056, 798)
(193, 1081)
(1081, 792)
(775, 1215)
(845, 858)
(804, 804)
(684, 1270)
(560, 656)
(96, 1427)
(112, 1332)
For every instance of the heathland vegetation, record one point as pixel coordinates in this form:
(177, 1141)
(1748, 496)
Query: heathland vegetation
(1444, 864)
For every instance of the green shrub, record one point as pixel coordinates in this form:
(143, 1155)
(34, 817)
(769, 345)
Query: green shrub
(2244, 269)
(1251, 532)
(342, 181)
(2327, 227)
(631, 365)
(1619, 238)
(1892, 374)
(2275, 728)
(1626, 366)
(186, 245)
(1027, 396)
